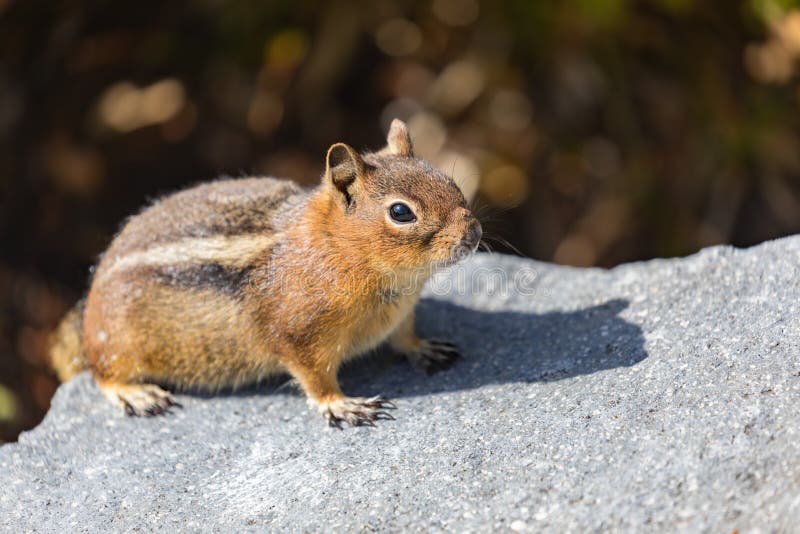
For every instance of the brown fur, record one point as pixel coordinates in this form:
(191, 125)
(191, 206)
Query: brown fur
(231, 281)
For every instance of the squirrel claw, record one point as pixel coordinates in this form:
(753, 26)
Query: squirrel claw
(333, 422)
(141, 399)
(381, 402)
(434, 356)
(357, 411)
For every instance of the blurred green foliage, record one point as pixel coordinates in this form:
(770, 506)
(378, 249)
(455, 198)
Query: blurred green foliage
(593, 131)
(8, 408)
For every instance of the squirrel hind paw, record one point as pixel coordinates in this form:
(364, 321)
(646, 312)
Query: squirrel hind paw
(140, 399)
(356, 411)
(434, 356)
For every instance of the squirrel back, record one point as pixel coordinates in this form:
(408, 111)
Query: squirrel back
(224, 208)
(207, 217)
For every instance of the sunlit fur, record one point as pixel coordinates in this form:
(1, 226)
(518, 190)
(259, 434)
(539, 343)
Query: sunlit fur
(231, 281)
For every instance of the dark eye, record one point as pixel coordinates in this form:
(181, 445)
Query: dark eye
(400, 212)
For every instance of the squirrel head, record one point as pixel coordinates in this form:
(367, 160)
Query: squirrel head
(403, 211)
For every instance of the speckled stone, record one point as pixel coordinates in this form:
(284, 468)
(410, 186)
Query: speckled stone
(657, 396)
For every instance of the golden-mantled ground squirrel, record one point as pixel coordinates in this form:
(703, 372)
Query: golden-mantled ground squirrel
(232, 281)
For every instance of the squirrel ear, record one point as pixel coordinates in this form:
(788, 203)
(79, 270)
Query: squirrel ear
(342, 166)
(398, 141)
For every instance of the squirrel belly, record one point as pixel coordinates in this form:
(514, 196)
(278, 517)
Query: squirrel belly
(231, 281)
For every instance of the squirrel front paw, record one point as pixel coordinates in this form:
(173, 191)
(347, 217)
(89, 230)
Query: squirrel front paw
(356, 411)
(433, 356)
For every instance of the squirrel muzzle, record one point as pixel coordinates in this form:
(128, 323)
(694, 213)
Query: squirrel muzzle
(468, 243)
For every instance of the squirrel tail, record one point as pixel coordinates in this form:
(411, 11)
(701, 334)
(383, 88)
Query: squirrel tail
(66, 346)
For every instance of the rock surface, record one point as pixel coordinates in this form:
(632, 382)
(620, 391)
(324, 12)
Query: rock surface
(661, 396)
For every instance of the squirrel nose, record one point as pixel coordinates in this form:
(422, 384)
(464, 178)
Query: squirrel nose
(473, 235)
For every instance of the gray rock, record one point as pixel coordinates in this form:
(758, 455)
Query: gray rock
(660, 396)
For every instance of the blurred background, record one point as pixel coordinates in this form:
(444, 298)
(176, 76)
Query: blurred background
(595, 132)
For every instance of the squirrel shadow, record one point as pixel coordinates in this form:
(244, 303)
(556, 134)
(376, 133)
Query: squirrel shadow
(499, 347)
(503, 347)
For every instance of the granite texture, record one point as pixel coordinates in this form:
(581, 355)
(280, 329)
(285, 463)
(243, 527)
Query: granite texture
(657, 396)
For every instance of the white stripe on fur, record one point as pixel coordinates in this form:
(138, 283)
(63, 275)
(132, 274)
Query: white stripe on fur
(233, 251)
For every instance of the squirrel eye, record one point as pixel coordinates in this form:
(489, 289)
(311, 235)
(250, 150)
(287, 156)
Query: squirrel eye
(400, 212)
